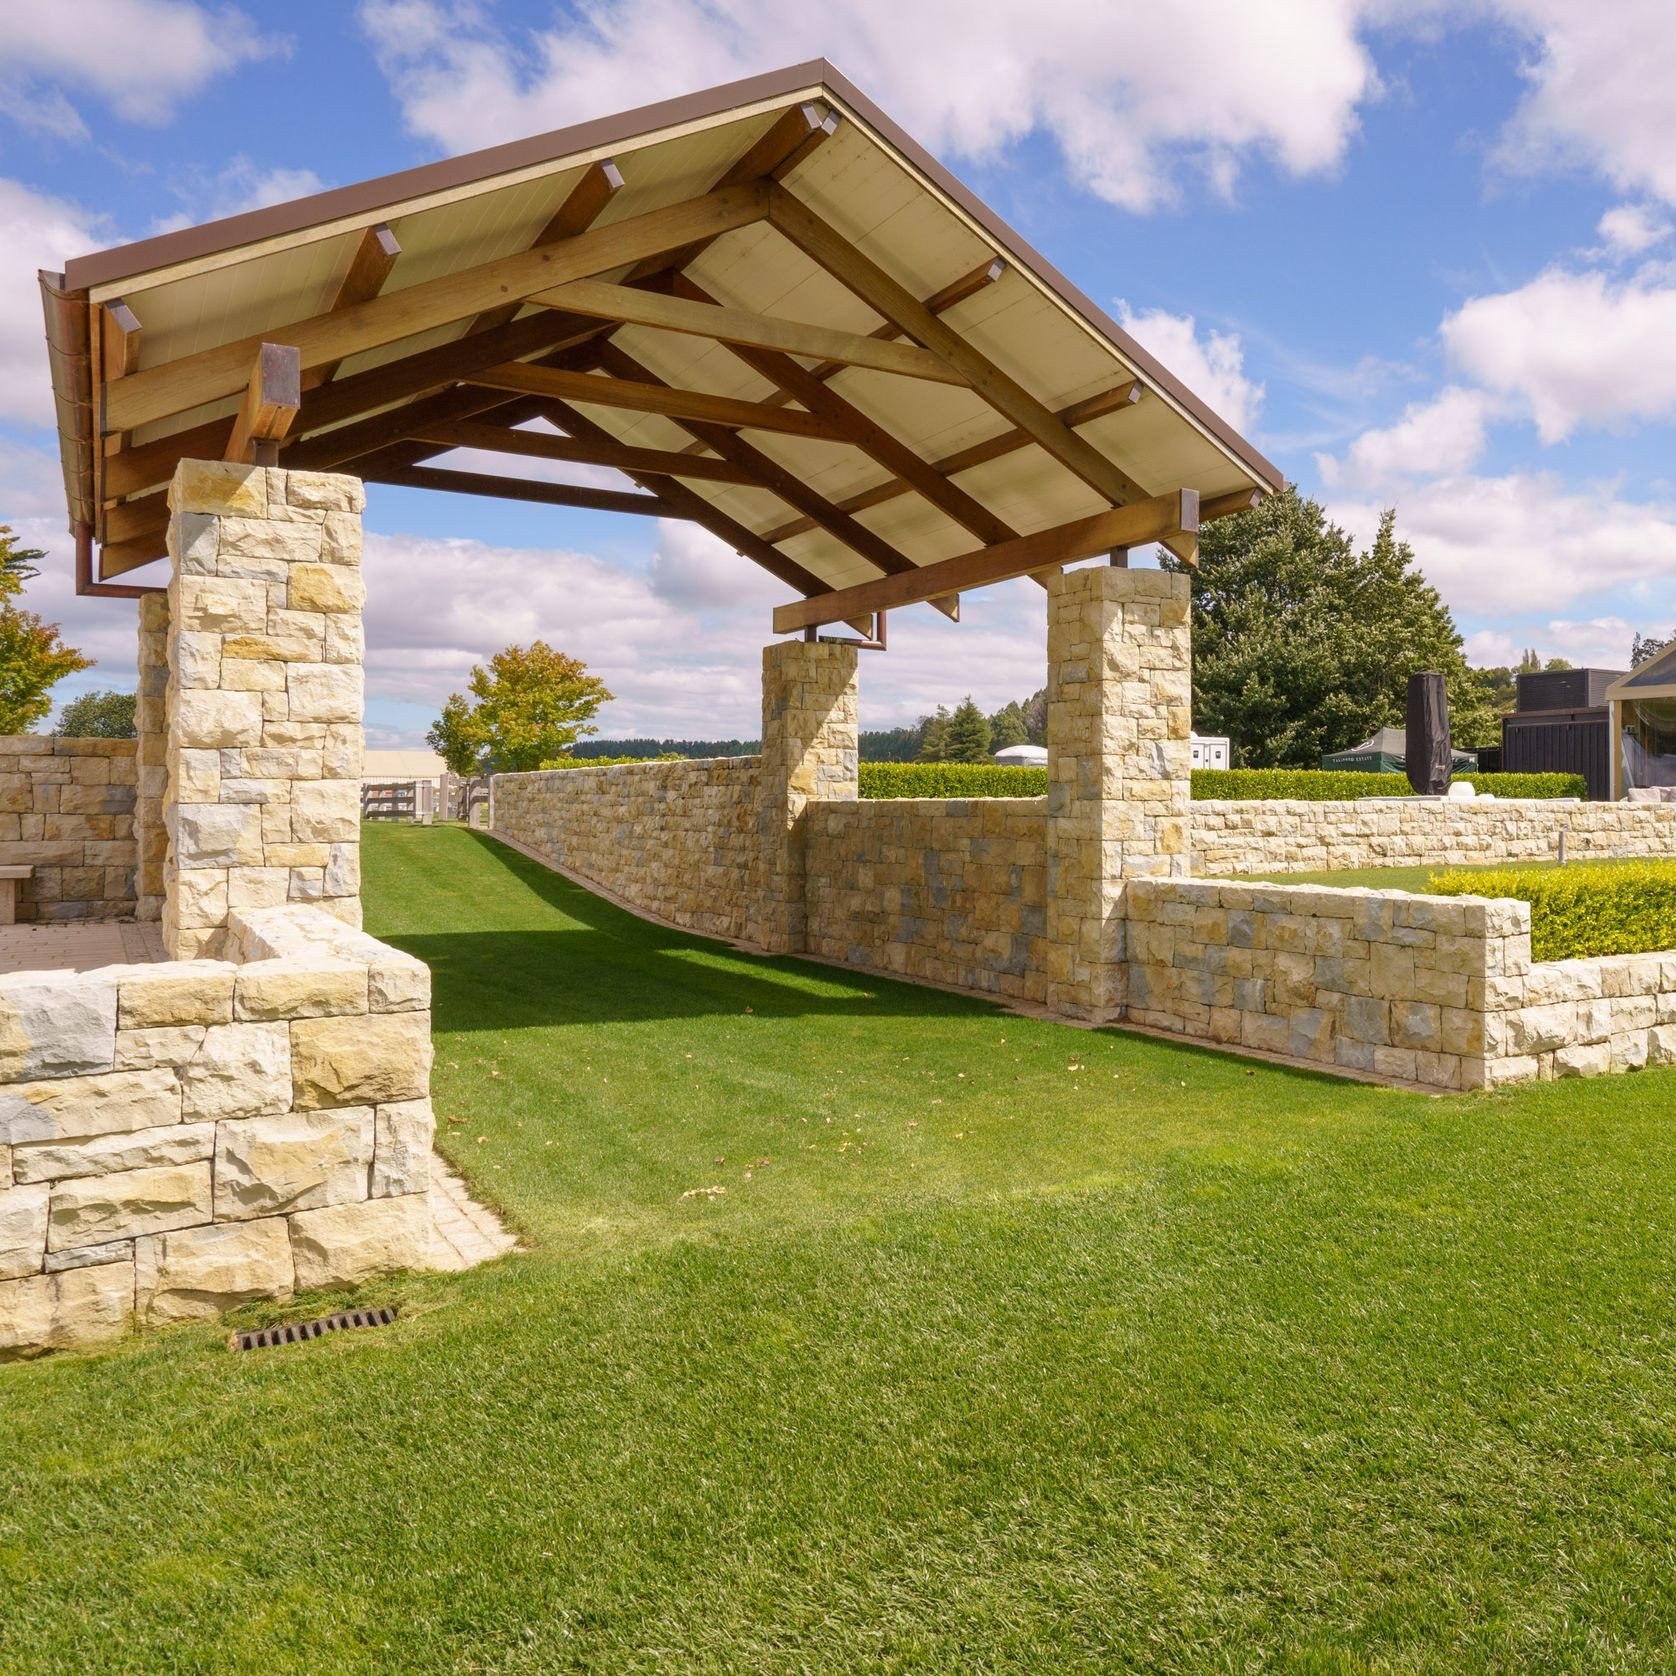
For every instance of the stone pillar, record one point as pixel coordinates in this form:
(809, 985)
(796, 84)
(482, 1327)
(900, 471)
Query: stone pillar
(264, 703)
(151, 749)
(1119, 766)
(810, 715)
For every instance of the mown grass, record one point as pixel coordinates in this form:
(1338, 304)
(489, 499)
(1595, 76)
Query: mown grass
(1007, 1347)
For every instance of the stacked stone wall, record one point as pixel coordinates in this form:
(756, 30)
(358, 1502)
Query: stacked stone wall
(677, 839)
(182, 1137)
(1296, 836)
(952, 891)
(67, 809)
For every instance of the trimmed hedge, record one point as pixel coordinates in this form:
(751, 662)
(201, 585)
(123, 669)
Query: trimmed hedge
(1311, 785)
(951, 779)
(1582, 909)
(1320, 785)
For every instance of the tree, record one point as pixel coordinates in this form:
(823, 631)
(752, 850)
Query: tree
(532, 704)
(1302, 645)
(32, 657)
(1643, 647)
(934, 736)
(101, 715)
(968, 733)
(1007, 727)
(1035, 717)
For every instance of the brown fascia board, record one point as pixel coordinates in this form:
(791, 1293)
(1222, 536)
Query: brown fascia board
(370, 198)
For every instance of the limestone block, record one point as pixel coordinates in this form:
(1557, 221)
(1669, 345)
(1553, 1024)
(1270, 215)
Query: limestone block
(266, 547)
(192, 543)
(23, 1231)
(257, 887)
(56, 1024)
(74, 1108)
(232, 490)
(201, 897)
(197, 1273)
(326, 587)
(1583, 1059)
(1541, 1029)
(217, 604)
(345, 638)
(217, 835)
(324, 491)
(88, 1209)
(376, 1059)
(242, 1070)
(346, 1243)
(214, 719)
(325, 692)
(85, 1256)
(402, 1149)
(195, 776)
(326, 811)
(140, 1149)
(293, 1161)
(66, 1311)
(176, 993)
(252, 675)
(343, 752)
(288, 989)
(341, 539)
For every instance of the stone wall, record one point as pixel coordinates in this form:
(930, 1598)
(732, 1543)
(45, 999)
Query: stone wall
(678, 839)
(67, 808)
(181, 1137)
(951, 891)
(1266, 837)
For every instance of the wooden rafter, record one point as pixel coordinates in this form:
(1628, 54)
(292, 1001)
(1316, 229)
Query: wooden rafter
(119, 346)
(369, 267)
(271, 403)
(1174, 514)
(543, 445)
(156, 392)
(829, 249)
(521, 488)
(1115, 400)
(636, 306)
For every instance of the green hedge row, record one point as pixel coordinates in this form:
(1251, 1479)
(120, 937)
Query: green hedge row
(1583, 909)
(1319, 785)
(1313, 785)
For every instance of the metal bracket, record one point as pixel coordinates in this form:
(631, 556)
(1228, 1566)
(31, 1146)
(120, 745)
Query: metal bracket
(875, 644)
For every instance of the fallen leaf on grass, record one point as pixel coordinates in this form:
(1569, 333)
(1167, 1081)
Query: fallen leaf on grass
(703, 1192)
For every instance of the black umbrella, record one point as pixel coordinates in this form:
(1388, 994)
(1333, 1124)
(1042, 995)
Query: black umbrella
(1429, 759)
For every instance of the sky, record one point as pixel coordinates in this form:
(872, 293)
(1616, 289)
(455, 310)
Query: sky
(1423, 254)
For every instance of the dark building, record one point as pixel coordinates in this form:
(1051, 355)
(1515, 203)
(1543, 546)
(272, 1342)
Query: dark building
(1562, 724)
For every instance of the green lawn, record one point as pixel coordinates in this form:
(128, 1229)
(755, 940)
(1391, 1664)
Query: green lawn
(1007, 1347)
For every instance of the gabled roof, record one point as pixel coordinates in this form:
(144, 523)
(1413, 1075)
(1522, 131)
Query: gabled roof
(866, 370)
(1656, 678)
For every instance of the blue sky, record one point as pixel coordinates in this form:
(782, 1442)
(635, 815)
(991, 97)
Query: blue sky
(1422, 254)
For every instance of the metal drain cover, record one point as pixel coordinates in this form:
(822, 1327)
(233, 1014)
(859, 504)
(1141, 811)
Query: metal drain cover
(295, 1332)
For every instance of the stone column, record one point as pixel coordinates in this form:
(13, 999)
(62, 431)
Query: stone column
(1119, 765)
(264, 703)
(151, 749)
(810, 715)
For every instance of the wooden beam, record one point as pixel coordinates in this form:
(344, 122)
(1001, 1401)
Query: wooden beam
(869, 436)
(543, 445)
(600, 183)
(828, 248)
(694, 506)
(119, 354)
(679, 405)
(634, 306)
(520, 488)
(1225, 506)
(210, 374)
(1176, 513)
(130, 519)
(271, 402)
(118, 557)
(980, 453)
(374, 258)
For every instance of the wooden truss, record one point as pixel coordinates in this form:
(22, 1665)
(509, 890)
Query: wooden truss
(536, 342)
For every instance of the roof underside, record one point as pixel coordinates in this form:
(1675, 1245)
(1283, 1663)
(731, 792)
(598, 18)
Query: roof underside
(259, 276)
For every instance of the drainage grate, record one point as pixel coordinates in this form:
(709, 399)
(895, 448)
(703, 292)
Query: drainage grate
(295, 1332)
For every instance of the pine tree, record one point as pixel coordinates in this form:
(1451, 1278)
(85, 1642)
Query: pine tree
(968, 733)
(934, 737)
(1006, 727)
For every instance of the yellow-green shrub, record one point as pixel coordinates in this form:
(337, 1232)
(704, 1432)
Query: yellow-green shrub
(1583, 909)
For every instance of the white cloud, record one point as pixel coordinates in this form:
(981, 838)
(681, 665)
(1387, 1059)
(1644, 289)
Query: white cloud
(1630, 229)
(35, 232)
(1212, 366)
(141, 57)
(1526, 541)
(1575, 348)
(1181, 92)
(1443, 435)
(237, 186)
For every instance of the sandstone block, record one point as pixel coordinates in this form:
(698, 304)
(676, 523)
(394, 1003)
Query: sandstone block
(288, 989)
(326, 587)
(374, 1060)
(217, 835)
(256, 887)
(346, 1243)
(164, 1045)
(217, 604)
(197, 1273)
(73, 1108)
(66, 1311)
(326, 811)
(324, 491)
(252, 675)
(296, 1161)
(192, 542)
(23, 1231)
(341, 539)
(216, 719)
(89, 1209)
(85, 1256)
(176, 993)
(402, 1149)
(242, 1070)
(266, 547)
(56, 1024)
(200, 898)
(397, 983)
(222, 487)
(140, 1149)
(325, 692)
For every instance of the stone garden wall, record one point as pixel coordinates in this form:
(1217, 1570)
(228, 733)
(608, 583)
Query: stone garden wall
(67, 807)
(950, 891)
(182, 1137)
(1295, 836)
